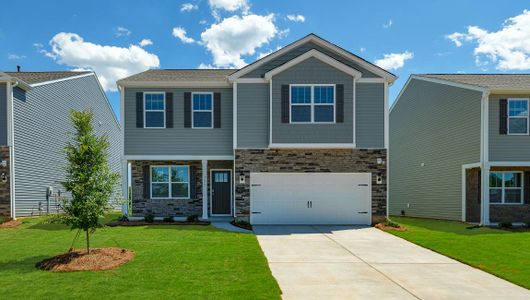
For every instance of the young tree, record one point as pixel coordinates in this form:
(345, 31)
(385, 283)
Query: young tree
(88, 177)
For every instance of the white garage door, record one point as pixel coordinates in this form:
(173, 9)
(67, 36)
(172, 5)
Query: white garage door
(310, 198)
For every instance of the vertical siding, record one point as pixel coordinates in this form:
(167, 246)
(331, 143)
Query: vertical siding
(42, 129)
(370, 112)
(438, 125)
(3, 113)
(253, 115)
(179, 140)
(312, 71)
(505, 147)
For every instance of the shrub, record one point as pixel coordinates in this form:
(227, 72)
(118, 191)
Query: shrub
(149, 218)
(2, 220)
(168, 219)
(390, 223)
(505, 224)
(193, 218)
(123, 218)
(527, 224)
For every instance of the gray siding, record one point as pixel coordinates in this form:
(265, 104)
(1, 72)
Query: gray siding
(178, 140)
(505, 147)
(370, 112)
(260, 71)
(438, 125)
(3, 113)
(42, 129)
(310, 71)
(253, 115)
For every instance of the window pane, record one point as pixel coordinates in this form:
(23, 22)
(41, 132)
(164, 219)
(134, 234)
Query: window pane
(160, 190)
(159, 174)
(323, 94)
(202, 119)
(202, 101)
(301, 113)
(512, 179)
(323, 113)
(518, 108)
(154, 101)
(154, 119)
(518, 125)
(512, 196)
(179, 190)
(300, 94)
(179, 174)
(495, 179)
(495, 195)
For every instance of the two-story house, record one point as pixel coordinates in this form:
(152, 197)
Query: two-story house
(460, 148)
(34, 129)
(297, 137)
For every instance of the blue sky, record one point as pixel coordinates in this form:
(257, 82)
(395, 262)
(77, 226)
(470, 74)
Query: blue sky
(118, 38)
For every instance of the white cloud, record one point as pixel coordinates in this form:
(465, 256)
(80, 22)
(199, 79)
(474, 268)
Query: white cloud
(296, 18)
(508, 48)
(122, 31)
(188, 7)
(394, 61)
(13, 56)
(145, 42)
(38, 45)
(236, 36)
(206, 66)
(229, 5)
(180, 33)
(362, 49)
(388, 24)
(109, 62)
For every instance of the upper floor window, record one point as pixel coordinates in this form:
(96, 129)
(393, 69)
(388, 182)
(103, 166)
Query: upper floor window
(518, 116)
(312, 103)
(154, 110)
(170, 182)
(202, 110)
(506, 187)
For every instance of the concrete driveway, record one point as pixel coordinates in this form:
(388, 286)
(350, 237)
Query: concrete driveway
(341, 262)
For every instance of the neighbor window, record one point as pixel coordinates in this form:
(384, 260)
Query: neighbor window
(170, 182)
(518, 116)
(506, 187)
(312, 103)
(202, 114)
(154, 109)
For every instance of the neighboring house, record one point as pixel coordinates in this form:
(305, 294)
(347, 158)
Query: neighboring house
(460, 148)
(34, 129)
(297, 137)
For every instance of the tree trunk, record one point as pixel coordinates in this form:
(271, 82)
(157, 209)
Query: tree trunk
(87, 242)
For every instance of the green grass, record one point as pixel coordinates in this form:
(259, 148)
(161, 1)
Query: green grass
(502, 253)
(184, 262)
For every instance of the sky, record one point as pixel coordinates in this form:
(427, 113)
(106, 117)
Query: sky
(117, 38)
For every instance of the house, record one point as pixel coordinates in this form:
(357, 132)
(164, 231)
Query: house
(460, 148)
(34, 129)
(297, 137)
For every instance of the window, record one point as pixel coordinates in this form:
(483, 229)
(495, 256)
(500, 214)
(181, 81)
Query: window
(170, 182)
(517, 116)
(154, 110)
(202, 106)
(506, 187)
(312, 103)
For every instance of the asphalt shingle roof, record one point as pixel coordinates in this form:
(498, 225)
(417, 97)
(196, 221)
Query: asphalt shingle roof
(37, 77)
(181, 75)
(489, 81)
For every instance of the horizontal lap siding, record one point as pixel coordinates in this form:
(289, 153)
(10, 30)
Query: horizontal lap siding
(42, 129)
(178, 140)
(438, 125)
(252, 115)
(370, 112)
(3, 113)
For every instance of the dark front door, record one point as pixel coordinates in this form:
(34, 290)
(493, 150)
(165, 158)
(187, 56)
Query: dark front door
(221, 190)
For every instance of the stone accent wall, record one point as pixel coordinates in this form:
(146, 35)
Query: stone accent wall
(509, 212)
(473, 196)
(310, 160)
(5, 191)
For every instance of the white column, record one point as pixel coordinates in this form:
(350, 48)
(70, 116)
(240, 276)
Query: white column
(204, 189)
(485, 212)
(125, 186)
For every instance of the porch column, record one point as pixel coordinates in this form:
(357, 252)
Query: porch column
(485, 211)
(204, 189)
(125, 186)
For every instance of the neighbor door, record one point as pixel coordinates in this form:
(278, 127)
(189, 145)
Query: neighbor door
(221, 191)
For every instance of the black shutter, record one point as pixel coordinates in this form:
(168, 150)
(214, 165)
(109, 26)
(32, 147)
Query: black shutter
(285, 103)
(139, 110)
(193, 182)
(187, 110)
(527, 187)
(339, 110)
(217, 110)
(503, 116)
(147, 182)
(169, 110)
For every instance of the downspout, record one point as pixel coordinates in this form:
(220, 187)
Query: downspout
(11, 146)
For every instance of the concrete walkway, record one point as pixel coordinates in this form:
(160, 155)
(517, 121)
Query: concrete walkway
(341, 262)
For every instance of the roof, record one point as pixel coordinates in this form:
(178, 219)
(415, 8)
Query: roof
(488, 81)
(193, 75)
(38, 77)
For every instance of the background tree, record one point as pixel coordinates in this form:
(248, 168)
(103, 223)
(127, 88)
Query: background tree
(88, 177)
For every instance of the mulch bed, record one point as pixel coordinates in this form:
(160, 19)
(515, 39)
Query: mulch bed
(246, 226)
(144, 223)
(10, 224)
(384, 227)
(79, 260)
(515, 228)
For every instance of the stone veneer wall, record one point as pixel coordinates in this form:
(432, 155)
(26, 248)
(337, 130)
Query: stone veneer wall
(170, 207)
(310, 160)
(473, 196)
(5, 199)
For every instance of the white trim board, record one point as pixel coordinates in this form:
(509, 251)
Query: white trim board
(175, 84)
(179, 157)
(312, 146)
(62, 79)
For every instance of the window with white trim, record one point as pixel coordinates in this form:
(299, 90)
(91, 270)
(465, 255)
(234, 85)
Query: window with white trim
(170, 182)
(518, 116)
(312, 103)
(202, 110)
(506, 187)
(154, 110)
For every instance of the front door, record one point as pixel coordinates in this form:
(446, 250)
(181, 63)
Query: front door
(221, 192)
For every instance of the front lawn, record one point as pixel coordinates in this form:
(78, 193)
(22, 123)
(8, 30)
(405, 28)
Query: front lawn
(502, 253)
(185, 262)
